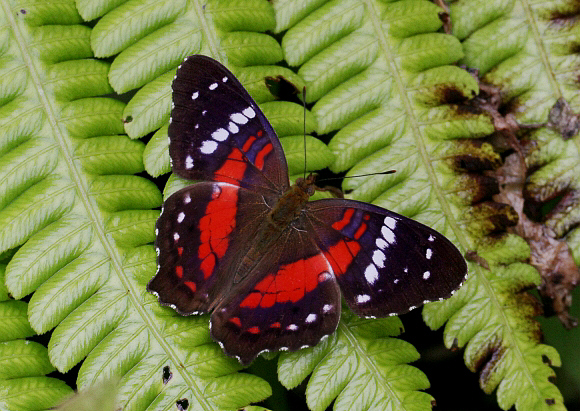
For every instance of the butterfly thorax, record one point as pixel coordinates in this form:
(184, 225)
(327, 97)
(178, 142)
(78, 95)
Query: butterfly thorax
(291, 204)
(286, 210)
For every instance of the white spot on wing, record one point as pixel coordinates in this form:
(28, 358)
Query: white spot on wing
(224, 79)
(363, 298)
(429, 254)
(195, 95)
(175, 236)
(388, 234)
(208, 147)
(396, 281)
(327, 308)
(233, 128)
(406, 270)
(292, 327)
(213, 86)
(311, 318)
(239, 118)
(390, 222)
(180, 217)
(188, 162)
(187, 199)
(220, 134)
(379, 258)
(204, 112)
(431, 238)
(382, 244)
(371, 274)
(249, 112)
(426, 275)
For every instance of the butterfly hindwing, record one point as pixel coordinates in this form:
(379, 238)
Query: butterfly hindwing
(202, 230)
(293, 301)
(385, 263)
(217, 132)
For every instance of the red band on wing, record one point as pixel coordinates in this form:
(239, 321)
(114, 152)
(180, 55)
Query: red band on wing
(179, 271)
(360, 231)
(248, 144)
(191, 285)
(261, 154)
(233, 169)
(290, 283)
(236, 321)
(339, 225)
(341, 255)
(215, 227)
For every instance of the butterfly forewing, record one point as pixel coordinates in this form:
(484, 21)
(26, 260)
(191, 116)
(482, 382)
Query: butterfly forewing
(217, 132)
(290, 301)
(384, 263)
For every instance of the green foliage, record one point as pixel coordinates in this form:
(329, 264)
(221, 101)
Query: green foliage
(493, 319)
(385, 93)
(359, 367)
(76, 222)
(24, 364)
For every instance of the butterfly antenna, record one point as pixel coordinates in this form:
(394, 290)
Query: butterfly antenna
(358, 175)
(304, 123)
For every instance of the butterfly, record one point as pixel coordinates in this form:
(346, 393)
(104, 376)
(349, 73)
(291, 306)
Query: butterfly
(249, 248)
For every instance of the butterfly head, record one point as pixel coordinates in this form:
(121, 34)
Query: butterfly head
(307, 184)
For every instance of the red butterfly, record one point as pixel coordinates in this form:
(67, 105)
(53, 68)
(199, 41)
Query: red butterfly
(249, 248)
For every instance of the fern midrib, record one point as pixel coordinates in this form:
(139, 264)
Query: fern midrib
(533, 25)
(459, 234)
(370, 365)
(89, 204)
(544, 57)
(402, 91)
(210, 36)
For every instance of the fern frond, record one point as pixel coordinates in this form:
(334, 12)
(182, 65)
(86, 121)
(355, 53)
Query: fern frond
(24, 364)
(77, 224)
(359, 367)
(384, 82)
(499, 333)
(130, 22)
